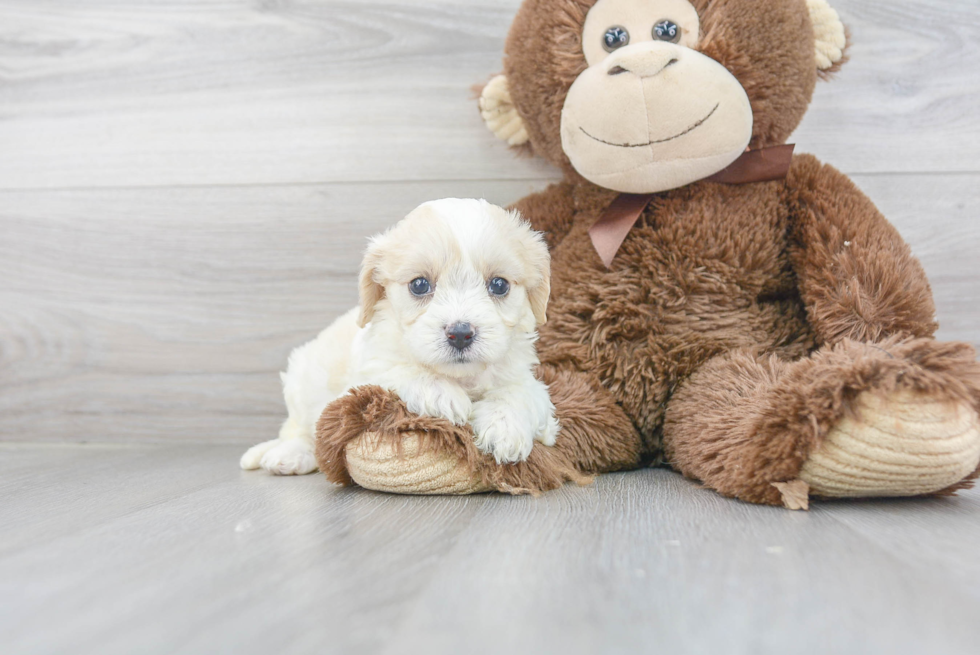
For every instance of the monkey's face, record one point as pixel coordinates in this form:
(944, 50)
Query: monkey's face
(650, 112)
(648, 95)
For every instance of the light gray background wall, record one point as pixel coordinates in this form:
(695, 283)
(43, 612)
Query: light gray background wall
(185, 187)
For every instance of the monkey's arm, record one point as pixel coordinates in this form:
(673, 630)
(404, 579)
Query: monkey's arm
(856, 276)
(549, 211)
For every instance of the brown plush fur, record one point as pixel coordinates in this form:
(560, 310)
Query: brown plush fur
(736, 324)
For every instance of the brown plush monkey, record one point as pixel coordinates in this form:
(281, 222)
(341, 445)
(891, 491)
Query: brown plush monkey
(749, 319)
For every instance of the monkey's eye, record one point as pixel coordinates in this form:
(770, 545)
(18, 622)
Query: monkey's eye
(667, 30)
(498, 286)
(420, 287)
(615, 37)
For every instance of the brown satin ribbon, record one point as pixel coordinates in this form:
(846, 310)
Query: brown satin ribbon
(762, 165)
(609, 232)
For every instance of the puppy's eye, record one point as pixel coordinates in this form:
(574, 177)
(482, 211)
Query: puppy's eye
(615, 37)
(498, 286)
(420, 287)
(667, 30)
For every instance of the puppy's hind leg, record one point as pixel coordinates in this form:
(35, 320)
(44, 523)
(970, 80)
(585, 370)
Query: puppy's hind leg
(291, 453)
(317, 373)
(250, 460)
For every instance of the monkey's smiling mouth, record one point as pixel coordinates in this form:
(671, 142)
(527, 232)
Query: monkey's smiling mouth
(651, 143)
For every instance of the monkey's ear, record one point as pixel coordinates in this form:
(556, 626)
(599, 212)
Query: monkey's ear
(831, 37)
(370, 288)
(499, 113)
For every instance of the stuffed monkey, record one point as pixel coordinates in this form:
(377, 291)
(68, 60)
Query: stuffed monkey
(741, 314)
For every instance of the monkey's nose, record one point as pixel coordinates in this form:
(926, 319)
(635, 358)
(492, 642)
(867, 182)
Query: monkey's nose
(460, 335)
(643, 62)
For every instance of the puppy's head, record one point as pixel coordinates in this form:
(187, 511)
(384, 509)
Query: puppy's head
(462, 280)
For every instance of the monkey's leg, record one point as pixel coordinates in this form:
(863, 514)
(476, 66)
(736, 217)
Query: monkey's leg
(889, 419)
(370, 439)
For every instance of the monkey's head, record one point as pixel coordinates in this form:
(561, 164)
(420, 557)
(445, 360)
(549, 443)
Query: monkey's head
(642, 96)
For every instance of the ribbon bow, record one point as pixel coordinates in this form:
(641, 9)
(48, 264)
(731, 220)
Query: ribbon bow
(762, 165)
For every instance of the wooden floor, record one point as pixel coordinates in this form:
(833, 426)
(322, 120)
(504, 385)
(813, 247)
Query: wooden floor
(161, 549)
(185, 190)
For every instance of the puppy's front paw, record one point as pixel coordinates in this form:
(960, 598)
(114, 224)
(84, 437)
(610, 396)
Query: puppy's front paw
(439, 399)
(289, 457)
(502, 432)
(548, 433)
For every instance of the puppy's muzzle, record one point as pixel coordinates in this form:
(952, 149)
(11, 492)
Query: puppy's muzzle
(460, 335)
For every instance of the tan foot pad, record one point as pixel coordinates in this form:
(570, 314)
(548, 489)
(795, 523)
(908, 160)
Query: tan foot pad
(381, 467)
(795, 494)
(901, 444)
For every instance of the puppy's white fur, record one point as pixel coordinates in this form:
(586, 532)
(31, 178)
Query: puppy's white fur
(397, 340)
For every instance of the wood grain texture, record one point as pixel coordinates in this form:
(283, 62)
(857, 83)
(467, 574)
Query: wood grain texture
(112, 94)
(165, 314)
(906, 100)
(181, 552)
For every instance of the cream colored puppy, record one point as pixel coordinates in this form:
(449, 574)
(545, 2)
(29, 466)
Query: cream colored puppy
(450, 298)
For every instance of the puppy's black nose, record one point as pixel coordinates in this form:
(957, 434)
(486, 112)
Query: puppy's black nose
(460, 335)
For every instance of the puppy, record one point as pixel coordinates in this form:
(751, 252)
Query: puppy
(450, 298)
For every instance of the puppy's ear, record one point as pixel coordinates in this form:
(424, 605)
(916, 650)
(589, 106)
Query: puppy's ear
(538, 263)
(539, 296)
(370, 289)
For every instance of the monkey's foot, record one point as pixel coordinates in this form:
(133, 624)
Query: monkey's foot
(407, 468)
(369, 438)
(903, 443)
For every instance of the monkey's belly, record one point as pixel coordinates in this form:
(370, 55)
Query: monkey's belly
(642, 352)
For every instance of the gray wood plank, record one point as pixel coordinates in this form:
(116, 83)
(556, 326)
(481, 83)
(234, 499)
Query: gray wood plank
(240, 562)
(938, 537)
(648, 561)
(219, 92)
(213, 559)
(164, 314)
(113, 94)
(905, 101)
(50, 491)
